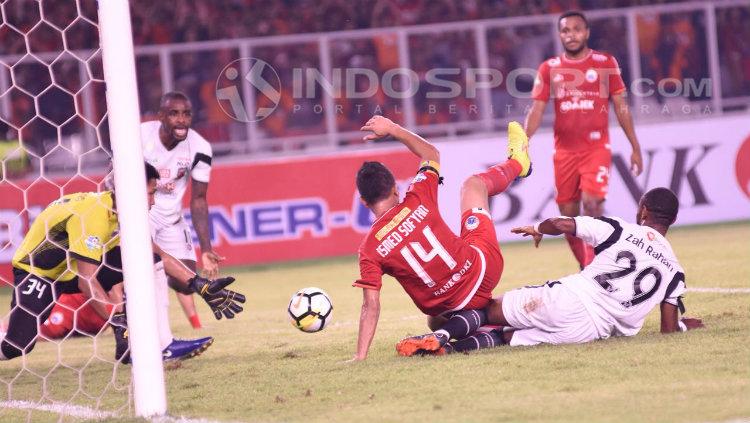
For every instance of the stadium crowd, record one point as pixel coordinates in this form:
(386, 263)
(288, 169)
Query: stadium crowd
(671, 46)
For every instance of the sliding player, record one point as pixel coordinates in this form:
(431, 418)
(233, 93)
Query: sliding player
(442, 273)
(634, 271)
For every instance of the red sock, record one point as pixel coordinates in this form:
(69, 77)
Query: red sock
(498, 177)
(583, 252)
(195, 321)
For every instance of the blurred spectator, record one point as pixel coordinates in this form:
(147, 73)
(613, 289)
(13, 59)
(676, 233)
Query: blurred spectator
(734, 50)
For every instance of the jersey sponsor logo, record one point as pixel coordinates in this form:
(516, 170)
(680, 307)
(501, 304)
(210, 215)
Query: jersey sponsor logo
(650, 236)
(555, 61)
(595, 135)
(392, 224)
(93, 243)
(164, 173)
(472, 222)
(591, 75)
(453, 280)
(419, 178)
(599, 57)
(567, 106)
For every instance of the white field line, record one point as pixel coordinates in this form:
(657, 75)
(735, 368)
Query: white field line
(62, 409)
(87, 413)
(720, 290)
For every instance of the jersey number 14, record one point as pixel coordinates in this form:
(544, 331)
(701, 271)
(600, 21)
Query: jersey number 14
(437, 251)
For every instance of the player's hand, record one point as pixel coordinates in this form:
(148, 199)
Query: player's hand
(379, 126)
(221, 301)
(692, 323)
(636, 162)
(210, 261)
(529, 231)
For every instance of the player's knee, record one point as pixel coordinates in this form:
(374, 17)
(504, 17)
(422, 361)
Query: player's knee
(592, 206)
(474, 183)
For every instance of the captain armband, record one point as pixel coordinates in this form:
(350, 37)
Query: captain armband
(432, 166)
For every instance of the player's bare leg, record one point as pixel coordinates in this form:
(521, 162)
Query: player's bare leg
(592, 205)
(477, 189)
(186, 300)
(582, 251)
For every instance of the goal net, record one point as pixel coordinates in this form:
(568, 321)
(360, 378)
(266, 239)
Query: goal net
(55, 140)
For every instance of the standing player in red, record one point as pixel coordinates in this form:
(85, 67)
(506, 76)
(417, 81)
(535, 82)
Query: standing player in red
(582, 81)
(444, 274)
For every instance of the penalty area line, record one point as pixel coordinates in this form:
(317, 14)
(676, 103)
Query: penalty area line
(720, 290)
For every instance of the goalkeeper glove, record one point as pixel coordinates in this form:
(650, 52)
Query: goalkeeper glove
(221, 301)
(119, 324)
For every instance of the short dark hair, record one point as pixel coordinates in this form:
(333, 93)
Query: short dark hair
(662, 205)
(374, 182)
(570, 13)
(172, 95)
(151, 172)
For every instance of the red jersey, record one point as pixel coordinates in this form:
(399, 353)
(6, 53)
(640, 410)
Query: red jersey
(581, 89)
(412, 243)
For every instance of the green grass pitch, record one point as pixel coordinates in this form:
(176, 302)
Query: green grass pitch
(261, 369)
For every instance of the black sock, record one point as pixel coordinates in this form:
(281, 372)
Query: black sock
(461, 324)
(477, 341)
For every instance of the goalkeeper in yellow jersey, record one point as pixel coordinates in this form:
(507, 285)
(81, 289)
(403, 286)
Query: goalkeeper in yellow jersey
(72, 247)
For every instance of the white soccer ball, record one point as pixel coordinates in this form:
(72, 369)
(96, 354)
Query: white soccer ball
(310, 309)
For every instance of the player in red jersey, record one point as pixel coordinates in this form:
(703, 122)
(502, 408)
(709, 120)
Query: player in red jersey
(582, 81)
(72, 313)
(450, 278)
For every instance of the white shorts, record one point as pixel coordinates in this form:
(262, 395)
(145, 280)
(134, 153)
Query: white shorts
(547, 314)
(175, 239)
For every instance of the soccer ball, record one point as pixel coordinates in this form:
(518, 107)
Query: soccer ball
(310, 309)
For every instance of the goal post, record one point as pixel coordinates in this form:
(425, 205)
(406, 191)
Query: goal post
(135, 240)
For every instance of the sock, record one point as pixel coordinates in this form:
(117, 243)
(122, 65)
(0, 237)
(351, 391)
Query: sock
(498, 177)
(477, 341)
(162, 306)
(195, 321)
(460, 324)
(583, 252)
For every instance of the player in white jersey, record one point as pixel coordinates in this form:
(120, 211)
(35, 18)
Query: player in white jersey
(634, 270)
(180, 154)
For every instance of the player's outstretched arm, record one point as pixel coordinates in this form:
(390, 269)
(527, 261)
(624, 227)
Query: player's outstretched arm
(199, 214)
(552, 226)
(381, 127)
(222, 301)
(368, 322)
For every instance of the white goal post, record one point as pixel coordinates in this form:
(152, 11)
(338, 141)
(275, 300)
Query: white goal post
(135, 240)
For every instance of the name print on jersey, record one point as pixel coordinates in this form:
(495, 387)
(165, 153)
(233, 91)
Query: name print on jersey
(650, 250)
(406, 225)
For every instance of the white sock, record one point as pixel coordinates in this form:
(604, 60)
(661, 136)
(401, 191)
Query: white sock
(162, 306)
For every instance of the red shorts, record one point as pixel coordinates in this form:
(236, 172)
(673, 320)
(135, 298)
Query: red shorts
(478, 229)
(581, 171)
(61, 318)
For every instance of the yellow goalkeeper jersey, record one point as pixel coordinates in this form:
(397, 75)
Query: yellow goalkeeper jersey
(76, 227)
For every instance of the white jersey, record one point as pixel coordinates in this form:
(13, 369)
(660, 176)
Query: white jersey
(190, 158)
(634, 270)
